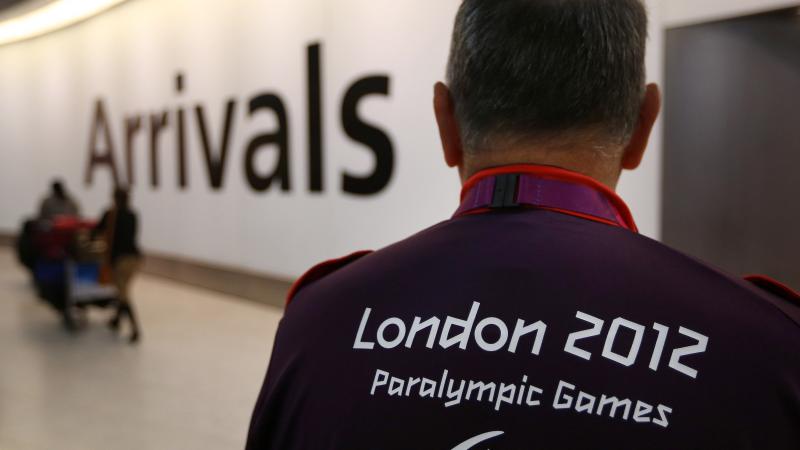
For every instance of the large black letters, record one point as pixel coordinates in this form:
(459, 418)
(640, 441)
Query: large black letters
(215, 149)
(372, 137)
(315, 181)
(132, 126)
(98, 157)
(180, 136)
(158, 121)
(215, 166)
(279, 138)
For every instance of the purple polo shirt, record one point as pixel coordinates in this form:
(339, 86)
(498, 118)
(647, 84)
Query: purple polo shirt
(535, 318)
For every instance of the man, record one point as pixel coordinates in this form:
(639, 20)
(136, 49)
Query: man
(58, 203)
(536, 317)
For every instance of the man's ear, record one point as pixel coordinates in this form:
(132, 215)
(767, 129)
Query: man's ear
(651, 106)
(444, 108)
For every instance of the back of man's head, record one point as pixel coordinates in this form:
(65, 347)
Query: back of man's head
(530, 70)
(57, 188)
(121, 198)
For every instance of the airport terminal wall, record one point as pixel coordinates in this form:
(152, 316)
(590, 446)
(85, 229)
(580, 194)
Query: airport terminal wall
(256, 136)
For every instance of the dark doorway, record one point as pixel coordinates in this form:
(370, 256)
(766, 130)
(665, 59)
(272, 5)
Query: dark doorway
(732, 144)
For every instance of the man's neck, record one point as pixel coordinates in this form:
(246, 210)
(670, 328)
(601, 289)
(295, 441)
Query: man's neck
(597, 163)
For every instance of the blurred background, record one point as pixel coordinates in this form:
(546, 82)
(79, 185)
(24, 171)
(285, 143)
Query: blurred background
(259, 137)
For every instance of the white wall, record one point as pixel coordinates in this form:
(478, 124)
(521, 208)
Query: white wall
(236, 49)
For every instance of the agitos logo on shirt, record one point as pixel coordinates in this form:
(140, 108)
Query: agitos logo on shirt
(102, 148)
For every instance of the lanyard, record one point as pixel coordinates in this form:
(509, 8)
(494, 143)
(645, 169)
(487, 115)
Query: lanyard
(543, 187)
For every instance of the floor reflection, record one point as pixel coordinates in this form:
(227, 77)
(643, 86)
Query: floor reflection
(190, 383)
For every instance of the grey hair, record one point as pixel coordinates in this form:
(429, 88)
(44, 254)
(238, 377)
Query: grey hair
(528, 69)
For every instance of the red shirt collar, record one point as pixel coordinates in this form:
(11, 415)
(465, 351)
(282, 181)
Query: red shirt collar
(621, 214)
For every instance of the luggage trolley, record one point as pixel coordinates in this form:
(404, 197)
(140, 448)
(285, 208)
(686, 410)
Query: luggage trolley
(65, 264)
(83, 289)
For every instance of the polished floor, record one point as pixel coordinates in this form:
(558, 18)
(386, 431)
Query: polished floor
(189, 384)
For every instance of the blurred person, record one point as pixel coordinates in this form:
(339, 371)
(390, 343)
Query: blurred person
(58, 203)
(536, 317)
(119, 226)
(25, 245)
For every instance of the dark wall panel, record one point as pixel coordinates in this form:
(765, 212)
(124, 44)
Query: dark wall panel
(732, 144)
